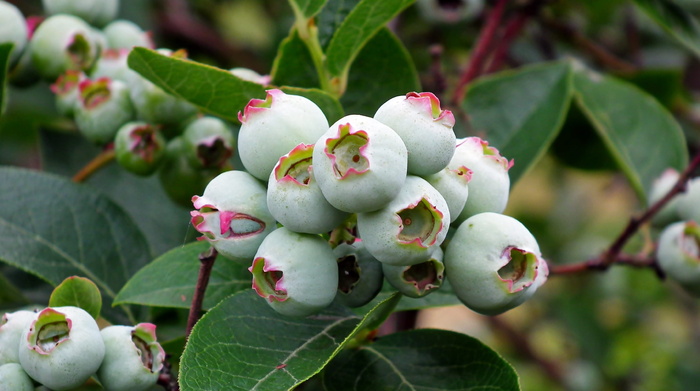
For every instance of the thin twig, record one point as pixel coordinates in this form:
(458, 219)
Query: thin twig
(510, 32)
(614, 253)
(101, 160)
(597, 51)
(439, 82)
(481, 51)
(206, 260)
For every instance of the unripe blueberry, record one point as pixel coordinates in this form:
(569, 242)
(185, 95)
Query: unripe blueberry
(678, 254)
(124, 34)
(250, 75)
(103, 107)
(66, 88)
(425, 129)
(494, 263)
(417, 280)
(12, 325)
(360, 275)
(97, 12)
(660, 187)
(139, 147)
(112, 64)
(271, 127)
(178, 178)
(233, 216)
(688, 206)
(208, 142)
(14, 378)
(62, 348)
(153, 105)
(453, 184)
(409, 228)
(360, 164)
(13, 29)
(490, 184)
(63, 42)
(449, 12)
(294, 198)
(296, 273)
(133, 358)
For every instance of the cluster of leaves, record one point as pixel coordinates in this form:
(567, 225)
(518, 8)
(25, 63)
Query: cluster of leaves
(342, 56)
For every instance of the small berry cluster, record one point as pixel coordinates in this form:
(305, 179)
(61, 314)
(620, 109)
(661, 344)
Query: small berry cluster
(364, 200)
(83, 52)
(62, 347)
(678, 251)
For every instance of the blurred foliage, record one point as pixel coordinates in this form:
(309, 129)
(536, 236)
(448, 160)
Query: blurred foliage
(624, 329)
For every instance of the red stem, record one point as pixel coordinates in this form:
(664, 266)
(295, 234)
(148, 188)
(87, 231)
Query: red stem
(613, 253)
(481, 51)
(206, 259)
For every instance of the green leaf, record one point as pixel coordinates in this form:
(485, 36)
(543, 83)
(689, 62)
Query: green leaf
(213, 90)
(420, 360)
(10, 295)
(442, 297)
(243, 344)
(331, 17)
(77, 292)
(307, 8)
(5, 51)
(675, 20)
(329, 105)
(368, 17)
(383, 70)
(643, 138)
(55, 229)
(169, 280)
(293, 65)
(520, 112)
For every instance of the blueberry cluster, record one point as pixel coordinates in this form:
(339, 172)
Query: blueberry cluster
(332, 211)
(82, 51)
(62, 347)
(678, 251)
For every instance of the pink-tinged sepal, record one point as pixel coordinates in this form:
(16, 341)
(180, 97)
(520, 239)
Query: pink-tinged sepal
(268, 281)
(347, 151)
(431, 104)
(50, 329)
(520, 269)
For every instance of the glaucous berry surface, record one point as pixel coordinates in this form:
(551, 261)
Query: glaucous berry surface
(688, 206)
(489, 185)
(360, 164)
(410, 228)
(360, 275)
(103, 107)
(133, 358)
(273, 126)
(678, 254)
(424, 127)
(61, 348)
(296, 273)
(13, 29)
(493, 263)
(294, 197)
(12, 325)
(417, 280)
(14, 378)
(140, 147)
(233, 216)
(96, 12)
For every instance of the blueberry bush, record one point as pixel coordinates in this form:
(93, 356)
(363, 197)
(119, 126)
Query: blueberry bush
(349, 195)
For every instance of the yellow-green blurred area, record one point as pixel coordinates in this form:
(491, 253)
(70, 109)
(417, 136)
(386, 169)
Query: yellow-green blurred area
(619, 329)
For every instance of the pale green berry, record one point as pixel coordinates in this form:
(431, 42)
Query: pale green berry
(62, 348)
(233, 216)
(688, 206)
(61, 43)
(273, 126)
(360, 164)
(97, 12)
(139, 147)
(424, 127)
(493, 263)
(124, 34)
(296, 273)
(66, 88)
(294, 198)
(13, 29)
(12, 325)
(103, 107)
(409, 228)
(14, 378)
(133, 358)
(360, 275)
(208, 142)
(678, 254)
(661, 186)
